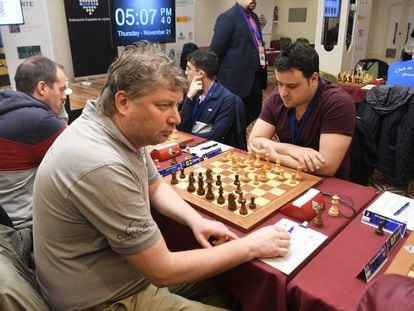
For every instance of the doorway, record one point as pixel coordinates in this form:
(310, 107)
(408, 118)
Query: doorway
(392, 23)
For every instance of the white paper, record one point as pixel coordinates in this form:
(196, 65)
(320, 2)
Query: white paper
(388, 203)
(303, 199)
(303, 242)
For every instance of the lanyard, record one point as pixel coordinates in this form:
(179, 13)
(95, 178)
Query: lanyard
(199, 107)
(296, 138)
(253, 28)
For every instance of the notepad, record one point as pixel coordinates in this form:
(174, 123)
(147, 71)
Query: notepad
(303, 242)
(394, 206)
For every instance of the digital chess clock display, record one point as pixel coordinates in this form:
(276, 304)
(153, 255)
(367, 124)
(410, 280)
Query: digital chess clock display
(152, 20)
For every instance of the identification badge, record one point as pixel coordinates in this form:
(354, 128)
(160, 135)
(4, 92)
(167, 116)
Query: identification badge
(262, 56)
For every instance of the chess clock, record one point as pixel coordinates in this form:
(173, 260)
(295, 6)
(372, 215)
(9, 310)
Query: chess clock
(152, 20)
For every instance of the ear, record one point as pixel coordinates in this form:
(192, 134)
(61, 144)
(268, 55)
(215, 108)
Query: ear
(315, 78)
(122, 102)
(40, 89)
(201, 74)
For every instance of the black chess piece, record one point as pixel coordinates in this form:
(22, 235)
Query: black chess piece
(182, 174)
(252, 204)
(380, 229)
(220, 198)
(243, 209)
(209, 194)
(191, 181)
(174, 179)
(231, 200)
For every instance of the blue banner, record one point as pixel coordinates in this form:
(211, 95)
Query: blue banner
(401, 73)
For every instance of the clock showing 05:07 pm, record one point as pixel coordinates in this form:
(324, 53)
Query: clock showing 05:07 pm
(152, 20)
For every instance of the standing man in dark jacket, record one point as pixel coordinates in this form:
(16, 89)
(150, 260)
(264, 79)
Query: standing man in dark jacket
(239, 44)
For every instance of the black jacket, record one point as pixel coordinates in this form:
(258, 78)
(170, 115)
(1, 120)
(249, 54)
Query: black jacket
(388, 111)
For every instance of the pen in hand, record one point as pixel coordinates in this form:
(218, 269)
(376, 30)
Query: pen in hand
(401, 209)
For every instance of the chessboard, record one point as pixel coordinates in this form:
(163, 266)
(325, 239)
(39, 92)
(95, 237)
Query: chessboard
(264, 186)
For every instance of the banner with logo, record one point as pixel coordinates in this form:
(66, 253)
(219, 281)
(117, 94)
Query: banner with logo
(89, 28)
(401, 73)
(184, 30)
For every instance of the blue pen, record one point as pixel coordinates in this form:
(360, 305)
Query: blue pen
(401, 209)
(208, 147)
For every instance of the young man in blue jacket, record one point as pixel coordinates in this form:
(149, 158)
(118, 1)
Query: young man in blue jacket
(208, 109)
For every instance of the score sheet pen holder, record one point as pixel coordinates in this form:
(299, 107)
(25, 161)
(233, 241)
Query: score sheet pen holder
(304, 208)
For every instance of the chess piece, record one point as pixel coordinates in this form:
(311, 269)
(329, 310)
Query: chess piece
(252, 204)
(251, 165)
(292, 179)
(299, 173)
(209, 175)
(218, 180)
(262, 175)
(188, 154)
(240, 193)
(238, 189)
(182, 174)
(231, 151)
(277, 166)
(220, 198)
(380, 229)
(257, 162)
(243, 209)
(245, 177)
(242, 162)
(236, 180)
(268, 166)
(281, 176)
(231, 200)
(191, 180)
(333, 210)
(225, 157)
(200, 189)
(256, 179)
(174, 157)
(210, 194)
(318, 218)
(234, 166)
(174, 179)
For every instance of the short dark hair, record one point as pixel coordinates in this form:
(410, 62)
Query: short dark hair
(298, 56)
(205, 60)
(34, 69)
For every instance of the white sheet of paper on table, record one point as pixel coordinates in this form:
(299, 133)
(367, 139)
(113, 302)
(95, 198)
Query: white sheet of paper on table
(303, 242)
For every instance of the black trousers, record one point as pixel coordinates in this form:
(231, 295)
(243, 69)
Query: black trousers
(253, 101)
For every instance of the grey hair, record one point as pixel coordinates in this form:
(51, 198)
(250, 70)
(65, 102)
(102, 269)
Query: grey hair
(141, 69)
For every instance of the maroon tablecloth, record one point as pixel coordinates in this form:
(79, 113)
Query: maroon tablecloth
(356, 92)
(329, 281)
(257, 285)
